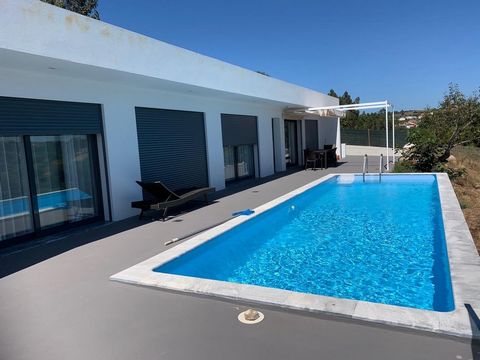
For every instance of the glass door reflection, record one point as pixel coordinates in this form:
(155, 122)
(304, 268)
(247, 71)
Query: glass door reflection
(238, 162)
(245, 161)
(15, 202)
(291, 147)
(64, 179)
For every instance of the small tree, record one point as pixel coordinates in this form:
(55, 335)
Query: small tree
(83, 7)
(351, 117)
(332, 93)
(456, 122)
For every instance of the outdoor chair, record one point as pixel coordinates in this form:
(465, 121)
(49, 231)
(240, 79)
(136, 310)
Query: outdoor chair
(331, 154)
(310, 158)
(162, 198)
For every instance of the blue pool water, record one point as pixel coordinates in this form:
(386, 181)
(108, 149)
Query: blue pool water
(379, 242)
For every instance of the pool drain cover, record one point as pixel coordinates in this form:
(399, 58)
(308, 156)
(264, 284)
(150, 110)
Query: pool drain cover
(250, 316)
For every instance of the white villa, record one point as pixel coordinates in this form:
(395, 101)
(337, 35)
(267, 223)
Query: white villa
(87, 108)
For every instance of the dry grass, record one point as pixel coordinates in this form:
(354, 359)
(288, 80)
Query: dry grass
(467, 187)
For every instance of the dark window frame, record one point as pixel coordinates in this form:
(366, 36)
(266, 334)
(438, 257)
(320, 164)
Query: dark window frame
(34, 211)
(235, 162)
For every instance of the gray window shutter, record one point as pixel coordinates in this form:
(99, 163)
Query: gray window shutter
(239, 130)
(311, 134)
(20, 116)
(172, 147)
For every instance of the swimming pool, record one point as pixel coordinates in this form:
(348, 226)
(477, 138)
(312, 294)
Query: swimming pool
(374, 241)
(397, 252)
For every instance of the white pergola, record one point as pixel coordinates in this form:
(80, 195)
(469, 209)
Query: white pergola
(341, 109)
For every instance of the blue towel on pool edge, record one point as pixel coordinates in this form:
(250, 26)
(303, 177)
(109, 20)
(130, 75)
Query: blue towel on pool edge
(243, 212)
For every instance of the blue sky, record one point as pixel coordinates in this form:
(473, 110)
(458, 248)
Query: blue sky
(404, 51)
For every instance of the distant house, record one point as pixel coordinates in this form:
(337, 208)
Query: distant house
(87, 108)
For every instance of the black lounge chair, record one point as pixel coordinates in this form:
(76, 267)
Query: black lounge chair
(162, 198)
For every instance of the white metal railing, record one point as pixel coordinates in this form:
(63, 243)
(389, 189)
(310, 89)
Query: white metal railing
(381, 168)
(365, 166)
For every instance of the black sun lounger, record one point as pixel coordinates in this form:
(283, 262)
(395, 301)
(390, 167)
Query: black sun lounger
(162, 198)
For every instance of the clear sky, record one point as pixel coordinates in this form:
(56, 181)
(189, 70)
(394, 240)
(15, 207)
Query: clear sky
(406, 51)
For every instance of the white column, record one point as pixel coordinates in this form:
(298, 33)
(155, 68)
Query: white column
(302, 142)
(278, 126)
(386, 135)
(265, 145)
(123, 160)
(393, 133)
(213, 134)
(338, 139)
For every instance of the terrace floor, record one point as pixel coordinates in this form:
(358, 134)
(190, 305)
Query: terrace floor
(57, 302)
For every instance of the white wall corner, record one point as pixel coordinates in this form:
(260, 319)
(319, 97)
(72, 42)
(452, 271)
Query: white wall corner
(123, 158)
(339, 135)
(215, 162)
(265, 145)
(278, 125)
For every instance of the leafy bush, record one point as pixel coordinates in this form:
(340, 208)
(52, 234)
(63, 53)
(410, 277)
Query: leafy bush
(455, 122)
(403, 166)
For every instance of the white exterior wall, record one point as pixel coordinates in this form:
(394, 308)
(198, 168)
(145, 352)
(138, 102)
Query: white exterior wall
(279, 149)
(329, 131)
(265, 143)
(339, 137)
(120, 135)
(213, 133)
(49, 53)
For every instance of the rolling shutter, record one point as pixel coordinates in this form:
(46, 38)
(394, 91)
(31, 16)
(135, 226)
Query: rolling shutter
(172, 147)
(311, 134)
(19, 116)
(239, 130)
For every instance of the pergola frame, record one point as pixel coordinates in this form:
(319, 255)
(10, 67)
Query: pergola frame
(365, 106)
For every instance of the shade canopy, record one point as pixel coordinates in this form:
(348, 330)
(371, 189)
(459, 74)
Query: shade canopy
(340, 111)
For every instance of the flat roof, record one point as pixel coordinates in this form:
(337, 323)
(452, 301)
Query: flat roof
(35, 32)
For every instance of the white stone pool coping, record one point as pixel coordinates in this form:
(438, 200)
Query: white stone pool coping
(463, 259)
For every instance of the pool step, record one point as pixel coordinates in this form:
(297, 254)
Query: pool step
(346, 179)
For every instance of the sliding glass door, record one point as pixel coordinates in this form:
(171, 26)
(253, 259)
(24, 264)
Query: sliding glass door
(291, 147)
(64, 179)
(15, 201)
(47, 182)
(239, 162)
(244, 162)
(229, 162)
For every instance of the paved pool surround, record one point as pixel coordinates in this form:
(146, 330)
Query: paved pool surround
(463, 260)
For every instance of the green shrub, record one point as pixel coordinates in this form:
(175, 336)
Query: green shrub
(455, 122)
(404, 166)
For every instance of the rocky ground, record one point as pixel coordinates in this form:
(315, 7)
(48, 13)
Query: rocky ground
(467, 187)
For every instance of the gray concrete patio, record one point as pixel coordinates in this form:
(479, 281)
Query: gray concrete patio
(56, 300)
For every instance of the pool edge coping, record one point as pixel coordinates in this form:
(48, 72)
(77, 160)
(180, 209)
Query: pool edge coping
(463, 261)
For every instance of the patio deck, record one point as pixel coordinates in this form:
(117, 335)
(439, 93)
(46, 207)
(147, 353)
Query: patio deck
(57, 302)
